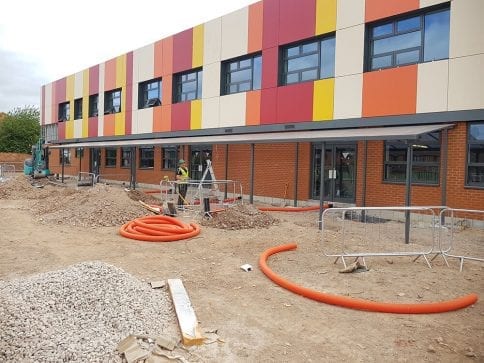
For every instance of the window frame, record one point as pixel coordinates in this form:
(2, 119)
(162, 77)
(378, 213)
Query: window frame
(169, 163)
(370, 38)
(66, 155)
(110, 158)
(469, 164)
(143, 92)
(143, 158)
(78, 109)
(415, 163)
(93, 101)
(64, 113)
(125, 158)
(227, 71)
(109, 97)
(178, 83)
(285, 58)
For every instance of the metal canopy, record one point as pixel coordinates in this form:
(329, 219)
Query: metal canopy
(352, 134)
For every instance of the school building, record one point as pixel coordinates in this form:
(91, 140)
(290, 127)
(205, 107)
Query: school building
(359, 100)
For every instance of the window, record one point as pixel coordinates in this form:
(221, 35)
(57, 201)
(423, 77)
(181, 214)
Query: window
(78, 109)
(243, 74)
(475, 154)
(169, 158)
(79, 153)
(64, 111)
(188, 86)
(93, 102)
(112, 101)
(149, 93)
(65, 154)
(146, 157)
(425, 163)
(413, 39)
(125, 157)
(110, 158)
(308, 61)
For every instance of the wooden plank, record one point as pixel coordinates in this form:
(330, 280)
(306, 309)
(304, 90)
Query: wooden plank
(187, 319)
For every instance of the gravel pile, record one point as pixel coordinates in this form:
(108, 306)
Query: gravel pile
(79, 314)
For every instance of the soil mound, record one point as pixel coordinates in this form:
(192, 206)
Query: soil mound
(241, 216)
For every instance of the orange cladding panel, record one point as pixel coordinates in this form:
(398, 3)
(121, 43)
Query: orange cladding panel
(390, 92)
(255, 27)
(252, 114)
(379, 9)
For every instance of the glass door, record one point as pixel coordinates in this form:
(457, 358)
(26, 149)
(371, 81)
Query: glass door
(94, 160)
(198, 162)
(339, 172)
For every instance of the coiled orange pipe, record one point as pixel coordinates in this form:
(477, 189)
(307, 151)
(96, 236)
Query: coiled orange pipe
(360, 304)
(158, 228)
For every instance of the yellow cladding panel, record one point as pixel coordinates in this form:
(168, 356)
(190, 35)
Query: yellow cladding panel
(69, 129)
(325, 16)
(119, 124)
(197, 51)
(196, 115)
(121, 71)
(323, 99)
(70, 88)
(85, 102)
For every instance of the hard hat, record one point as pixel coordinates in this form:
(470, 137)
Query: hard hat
(181, 161)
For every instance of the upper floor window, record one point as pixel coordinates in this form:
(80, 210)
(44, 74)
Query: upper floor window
(111, 156)
(149, 93)
(188, 86)
(64, 111)
(78, 109)
(146, 157)
(169, 158)
(425, 162)
(409, 40)
(308, 61)
(93, 105)
(475, 154)
(243, 74)
(112, 101)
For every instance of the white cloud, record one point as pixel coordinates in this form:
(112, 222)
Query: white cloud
(42, 41)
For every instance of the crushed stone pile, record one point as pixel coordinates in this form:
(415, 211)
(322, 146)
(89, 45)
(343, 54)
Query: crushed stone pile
(144, 197)
(23, 187)
(79, 314)
(241, 216)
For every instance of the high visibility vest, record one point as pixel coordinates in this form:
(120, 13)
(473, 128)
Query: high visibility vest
(184, 173)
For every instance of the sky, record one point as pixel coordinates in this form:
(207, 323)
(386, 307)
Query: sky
(42, 41)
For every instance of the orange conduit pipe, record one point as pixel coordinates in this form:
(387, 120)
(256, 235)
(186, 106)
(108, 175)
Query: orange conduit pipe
(360, 304)
(158, 228)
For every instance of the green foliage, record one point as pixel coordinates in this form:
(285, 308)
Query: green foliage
(19, 130)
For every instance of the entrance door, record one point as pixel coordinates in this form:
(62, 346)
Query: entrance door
(94, 160)
(339, 172)
(198, 161)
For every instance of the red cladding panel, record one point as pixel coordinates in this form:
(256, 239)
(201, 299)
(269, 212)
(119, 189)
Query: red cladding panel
(182, 51)
(270, 15)
(379, 9)
(297, 20)
(43, 105)
(295, 103)
(60, 91)
(268, 109)
(92, 127)
(94, 80)
(270, 67)
(61, 130)
(180, 116)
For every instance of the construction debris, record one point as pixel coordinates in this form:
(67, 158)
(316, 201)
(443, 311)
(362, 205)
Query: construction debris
(241, 216)
(355, 267)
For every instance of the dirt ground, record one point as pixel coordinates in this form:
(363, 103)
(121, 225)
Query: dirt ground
(50, 227)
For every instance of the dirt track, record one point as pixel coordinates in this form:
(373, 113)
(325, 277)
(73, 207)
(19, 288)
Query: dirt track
(257, 320)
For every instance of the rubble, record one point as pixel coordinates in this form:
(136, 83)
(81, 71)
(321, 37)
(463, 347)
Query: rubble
(240, 216)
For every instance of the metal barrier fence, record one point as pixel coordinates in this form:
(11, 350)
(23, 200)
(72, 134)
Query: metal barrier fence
(221, 194)
(461, 225)
(86, 179)
(378, 231)
(6, 171)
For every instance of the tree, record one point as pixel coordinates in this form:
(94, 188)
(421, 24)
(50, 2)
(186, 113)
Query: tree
(19, 130)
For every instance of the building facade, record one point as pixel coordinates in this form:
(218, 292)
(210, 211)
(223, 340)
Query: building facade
(276, 91)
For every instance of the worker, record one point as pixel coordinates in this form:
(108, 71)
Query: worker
(182, 179)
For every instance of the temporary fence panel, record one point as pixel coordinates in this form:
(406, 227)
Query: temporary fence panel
(86, 179)
(461, 235)
(378, 231)
(6, 171)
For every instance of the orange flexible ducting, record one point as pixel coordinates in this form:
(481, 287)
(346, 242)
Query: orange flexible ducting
(289, 209)
(360, 304)
(158, 228)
